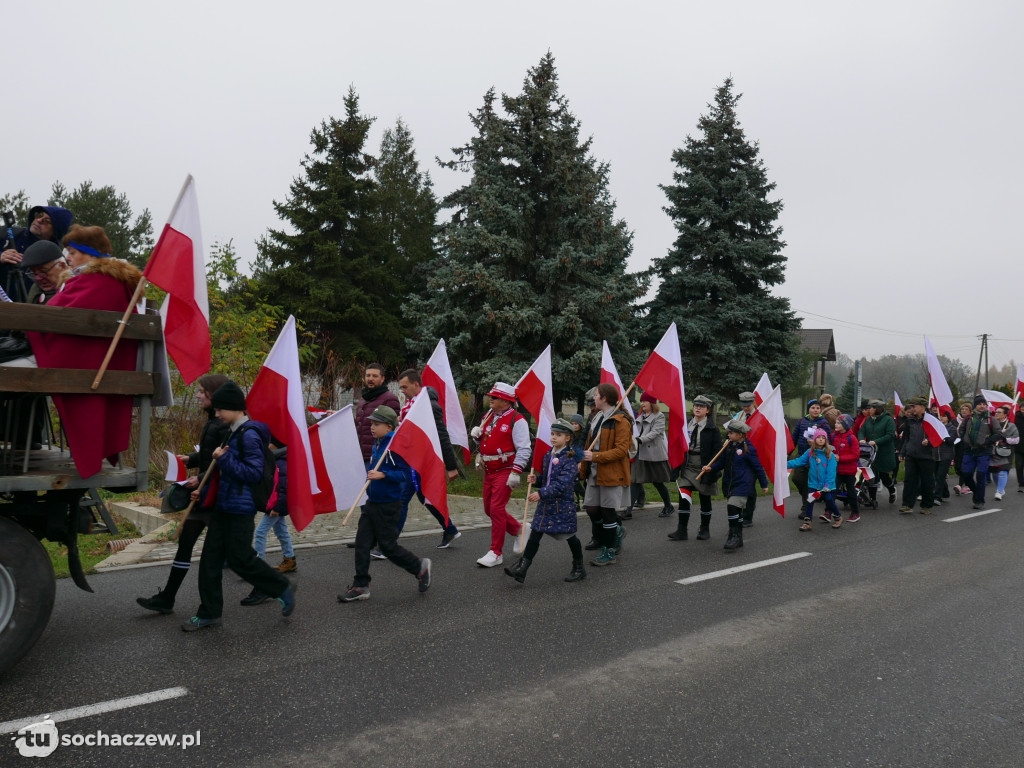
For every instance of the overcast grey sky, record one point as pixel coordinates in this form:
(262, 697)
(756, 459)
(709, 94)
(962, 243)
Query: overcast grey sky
(891, 128)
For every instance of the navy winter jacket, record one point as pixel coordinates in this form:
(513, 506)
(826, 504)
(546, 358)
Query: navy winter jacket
(281, 488)
(556, 512)
(741, 468)
(241, 467)
(397, 473)
(803, 425)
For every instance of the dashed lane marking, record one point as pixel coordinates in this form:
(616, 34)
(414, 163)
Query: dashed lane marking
(741, 568)
(973, 514)
(127, 702)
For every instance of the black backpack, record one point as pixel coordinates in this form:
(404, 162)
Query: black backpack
(263, 488)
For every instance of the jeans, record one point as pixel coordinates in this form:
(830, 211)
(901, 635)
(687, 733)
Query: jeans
(830, 505)
(1002, 475)
(280, 527)
(378, 522)
(975, 470)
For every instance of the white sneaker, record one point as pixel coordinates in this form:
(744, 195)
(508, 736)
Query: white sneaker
(517, 545)
(999, 497)
(489, 560)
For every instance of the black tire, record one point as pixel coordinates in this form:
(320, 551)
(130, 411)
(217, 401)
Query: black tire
(27, 591)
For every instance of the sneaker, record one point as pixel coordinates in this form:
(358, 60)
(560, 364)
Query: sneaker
(999, 497)
(892, 497)
(825, 517)
(906, 510)
(854, 517)
(1020, 490)
(254, 598)
(489, 560)
(958, 490)
(837, 521)
(669, 510)
(287, 565)
(607, 557)
(936, 503)
(976, 505)
(195, 623)
(926, 510)
(354, 593)
(288, 599)
(376, 554)
(424, 577)
(620, 536)
(448, 538)
(159, 602)
(517, 544)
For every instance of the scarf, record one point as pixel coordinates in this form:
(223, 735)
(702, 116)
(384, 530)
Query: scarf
(372, 393)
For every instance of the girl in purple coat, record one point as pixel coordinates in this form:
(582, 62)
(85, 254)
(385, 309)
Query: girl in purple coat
(556, 505)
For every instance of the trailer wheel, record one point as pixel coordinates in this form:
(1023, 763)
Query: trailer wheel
(27, 591)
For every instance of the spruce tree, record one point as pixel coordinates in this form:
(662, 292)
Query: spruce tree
(532, 254)
(716, 280)
(330, 267)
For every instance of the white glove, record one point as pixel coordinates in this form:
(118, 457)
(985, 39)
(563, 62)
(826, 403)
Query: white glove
(479, 461)
(513, 480)
(476, 432)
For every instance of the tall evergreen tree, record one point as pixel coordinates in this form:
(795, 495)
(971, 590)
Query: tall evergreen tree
(533, 254)
(716, 280)
(332, 269)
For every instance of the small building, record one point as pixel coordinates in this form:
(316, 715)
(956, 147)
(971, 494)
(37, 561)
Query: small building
(820, 345)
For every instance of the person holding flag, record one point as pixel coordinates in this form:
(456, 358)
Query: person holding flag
(741, 468)
(705, 442)
(748, 406)
(504, 439)
(605, 467)
(979, 433)
(918, 457)
(651, 465)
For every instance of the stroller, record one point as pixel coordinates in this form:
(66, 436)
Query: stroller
(866, 479)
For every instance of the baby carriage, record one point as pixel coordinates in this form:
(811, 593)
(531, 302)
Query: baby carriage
(866, 479)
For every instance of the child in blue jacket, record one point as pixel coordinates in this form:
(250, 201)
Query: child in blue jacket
(556, 505)
(821, 466)
(276, 520)
(741, 469)
(378, 521)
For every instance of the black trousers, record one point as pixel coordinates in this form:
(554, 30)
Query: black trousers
(849, 483)
(379, 523)
(229, 537)
(918, 480)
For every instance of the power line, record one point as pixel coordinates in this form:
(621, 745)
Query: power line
(875, 328)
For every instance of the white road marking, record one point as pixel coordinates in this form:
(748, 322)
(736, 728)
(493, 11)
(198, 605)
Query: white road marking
(12, 726)
(973, 514)
(741, 568)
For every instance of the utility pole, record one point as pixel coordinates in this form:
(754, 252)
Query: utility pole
(982, 354)
(858, 382)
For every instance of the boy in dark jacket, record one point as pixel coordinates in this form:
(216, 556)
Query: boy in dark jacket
(378, 521)
(741, 468)
(229, 536)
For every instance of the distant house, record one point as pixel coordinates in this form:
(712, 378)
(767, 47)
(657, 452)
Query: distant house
(820, 344)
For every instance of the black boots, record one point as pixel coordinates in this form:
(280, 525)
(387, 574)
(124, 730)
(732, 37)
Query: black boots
(161, 602)
(667, 511)
(735, 540)
(705, 521)
(518, 571)
(578, 573)
(679, 534)
(595, 537)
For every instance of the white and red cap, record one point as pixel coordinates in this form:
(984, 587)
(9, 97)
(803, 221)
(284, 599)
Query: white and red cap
(503, 391)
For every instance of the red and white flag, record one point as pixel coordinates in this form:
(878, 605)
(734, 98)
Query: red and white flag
(897, 404)
(536, 394)
(417, 442)
(935, 430)
(319, 413)
(662, 377)
(437, 373)
(940, 388)
(276, 400)
(868, 472)
(768, 434)
(1019, 389)
(814, 496)
(177, 265)
(996, 398)
(762, 392)
(685, 494)
(337, 462)
(609, 374)
(176, 472)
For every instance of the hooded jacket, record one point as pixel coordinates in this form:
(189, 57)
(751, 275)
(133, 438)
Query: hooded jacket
(23, 238)
(821, 468)
(241, 467)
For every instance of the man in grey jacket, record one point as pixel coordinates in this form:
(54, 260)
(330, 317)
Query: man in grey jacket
(918, 459)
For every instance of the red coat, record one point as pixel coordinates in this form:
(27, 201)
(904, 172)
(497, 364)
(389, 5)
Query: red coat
(97, 426)
(847, 452)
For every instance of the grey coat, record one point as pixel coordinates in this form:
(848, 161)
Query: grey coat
(1010, 438)
(653, 445)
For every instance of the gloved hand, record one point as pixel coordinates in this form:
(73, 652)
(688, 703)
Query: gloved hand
(479, 461)
(477, 432)
(513, 480)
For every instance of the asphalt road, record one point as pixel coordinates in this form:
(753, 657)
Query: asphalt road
(895, 642)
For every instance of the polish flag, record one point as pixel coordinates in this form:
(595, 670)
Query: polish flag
(177, 266)
(814, 496)
(897, 404)
(685, 494)
(662, 377)
(176, 471)
(935, 430)
(762, 392)
(319, 413)
(995, 399)
(535, 393)
(417, 442)
(768, 434)
(609, 375)
(1019, 389)
(868, 472)
(276, 400)
(437, 373)
(943, 395)
(337, 461)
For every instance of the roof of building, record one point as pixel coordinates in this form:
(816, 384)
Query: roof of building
(820, 341)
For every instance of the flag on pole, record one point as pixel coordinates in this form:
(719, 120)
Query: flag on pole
(1019, 389)
(337, 462)
(762, 392)
(177, 265)
(869, 473)
(319, 413)
(609, 374)
(935, 430)
(685, 494)
(943, 395)
(276, 400)
(437, 373)
(417, 442)
(768, 434)
(535, 393)
(996, 398)
(662, 377)
(897, 404)
(176, 471)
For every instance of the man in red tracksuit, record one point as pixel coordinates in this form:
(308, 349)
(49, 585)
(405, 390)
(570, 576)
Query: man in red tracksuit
(504, 439)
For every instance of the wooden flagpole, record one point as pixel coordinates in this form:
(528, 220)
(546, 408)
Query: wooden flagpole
(526, 512)
(121, 324)
(724, 446)
(617, 407)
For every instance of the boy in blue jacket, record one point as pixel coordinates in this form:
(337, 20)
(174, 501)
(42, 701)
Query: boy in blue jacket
(229, 535)
(378, 521)
(741, 468)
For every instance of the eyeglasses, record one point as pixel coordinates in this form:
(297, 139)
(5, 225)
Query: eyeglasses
(43, 271)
